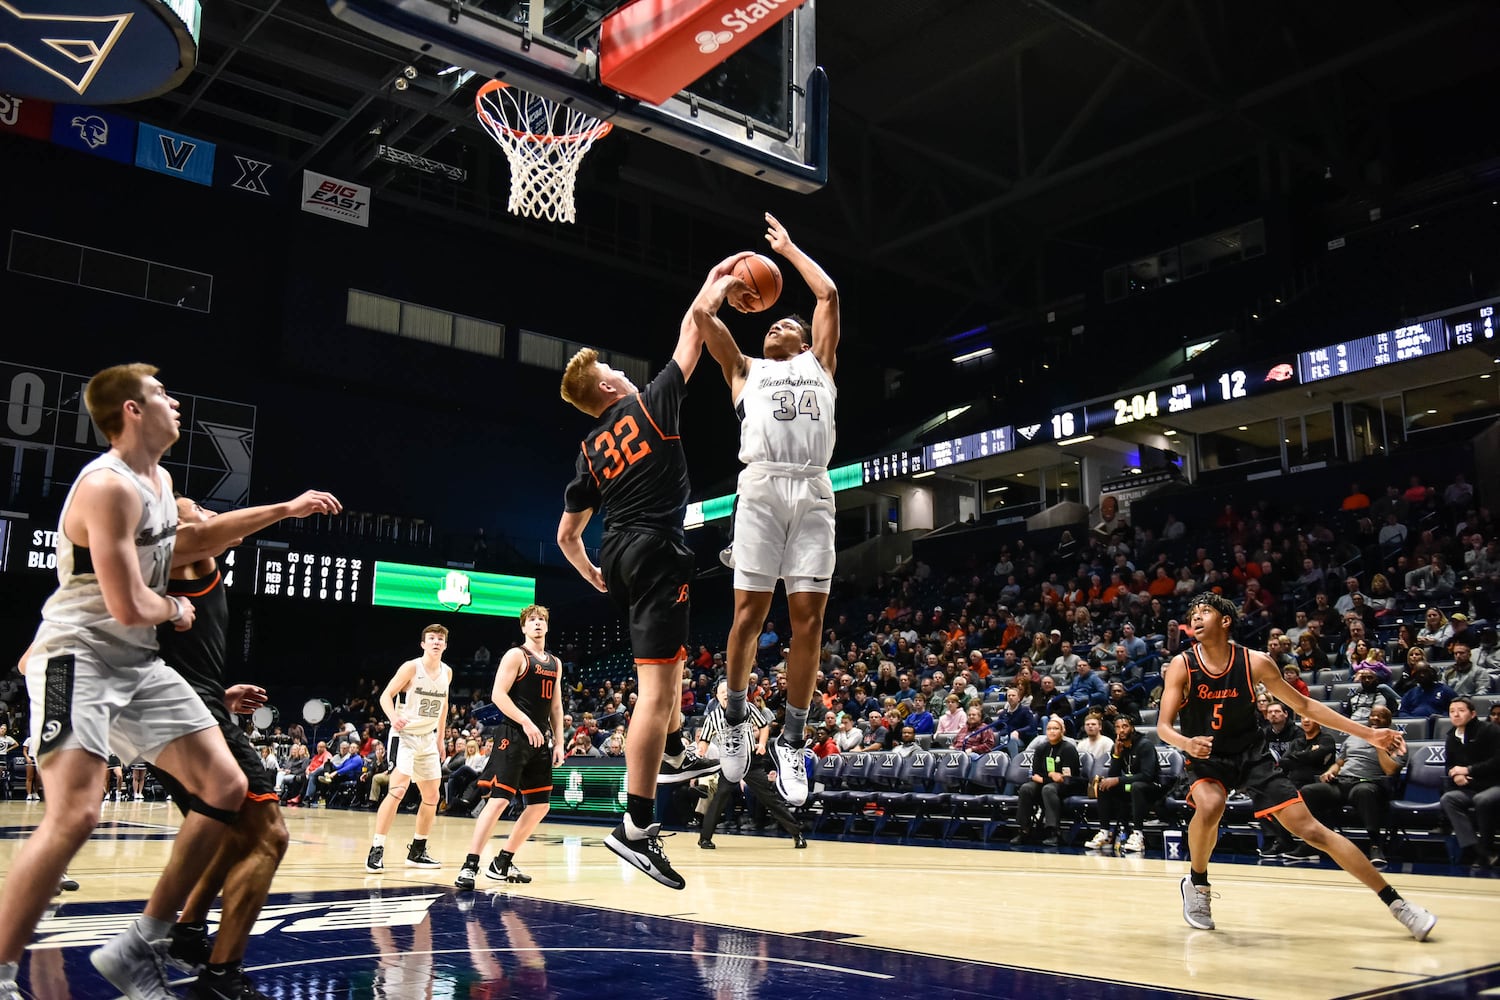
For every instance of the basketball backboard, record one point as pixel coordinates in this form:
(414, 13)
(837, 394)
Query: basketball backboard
(763, 111)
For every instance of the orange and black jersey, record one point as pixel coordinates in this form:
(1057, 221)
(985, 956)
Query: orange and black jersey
(632, 464)
(1221, 705)
(199, 654)
(533, 688)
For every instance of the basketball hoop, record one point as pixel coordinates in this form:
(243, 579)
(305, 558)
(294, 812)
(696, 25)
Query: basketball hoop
(544, 141)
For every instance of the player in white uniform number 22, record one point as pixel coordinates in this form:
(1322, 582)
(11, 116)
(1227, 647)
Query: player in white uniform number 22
(783, 521)
(423, 685)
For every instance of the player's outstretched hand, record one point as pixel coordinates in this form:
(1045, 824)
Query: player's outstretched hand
(315, 502)
(776, 234)
(242, 699)
(1390, 740)
(726, 265)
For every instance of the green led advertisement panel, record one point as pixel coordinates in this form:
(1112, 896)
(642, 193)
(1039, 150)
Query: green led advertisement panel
(430, 588)
(590, 788)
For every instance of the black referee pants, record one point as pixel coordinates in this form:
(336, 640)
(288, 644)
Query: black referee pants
(760, 782)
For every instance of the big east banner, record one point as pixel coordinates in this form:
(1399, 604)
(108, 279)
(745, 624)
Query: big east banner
(324, 195)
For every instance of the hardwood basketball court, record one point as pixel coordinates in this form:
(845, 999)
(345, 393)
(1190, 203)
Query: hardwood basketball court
(759, 918)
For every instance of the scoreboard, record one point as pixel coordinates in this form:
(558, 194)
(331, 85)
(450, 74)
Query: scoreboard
(1460, 328)
(309, 576)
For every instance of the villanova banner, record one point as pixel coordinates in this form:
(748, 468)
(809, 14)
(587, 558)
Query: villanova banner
(174, 154)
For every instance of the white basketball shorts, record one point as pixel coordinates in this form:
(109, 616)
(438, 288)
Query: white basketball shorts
(418, 756)
(783, 530)
(133, 712)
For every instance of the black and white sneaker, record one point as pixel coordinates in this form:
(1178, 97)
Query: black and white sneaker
(67, 883)
(508, 874)
(376, 861)
(417, 857)
(692, 766)
(466, 876)
(231, 984)
(188, 948)
(726, 556)
(645, 853)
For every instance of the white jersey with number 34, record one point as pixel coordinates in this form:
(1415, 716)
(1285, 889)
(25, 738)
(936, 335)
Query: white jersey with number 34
(786, 413)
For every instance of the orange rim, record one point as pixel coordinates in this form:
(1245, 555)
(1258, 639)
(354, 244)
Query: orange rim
(492, 86)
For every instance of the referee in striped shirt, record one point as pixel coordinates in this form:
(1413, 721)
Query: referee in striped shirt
(758, 777)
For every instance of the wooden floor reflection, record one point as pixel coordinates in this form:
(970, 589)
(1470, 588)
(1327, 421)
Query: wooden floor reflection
(1086, 921)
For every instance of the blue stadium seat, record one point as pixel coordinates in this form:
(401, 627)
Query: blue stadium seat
(986, 778)
(1416, 814)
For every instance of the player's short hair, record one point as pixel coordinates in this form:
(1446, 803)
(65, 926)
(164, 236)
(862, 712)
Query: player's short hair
(534, 609)
(580, 381)
(441, 630)
(1217, 602)
(804, 326)
(111, 389)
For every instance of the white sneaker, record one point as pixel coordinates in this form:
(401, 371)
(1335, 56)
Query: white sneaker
(791, 772)
(135, 966)
(1098, 842)
(1197, 908)
(1414, 918)
(734, 750)
(1134, 844)
(139, 797)
(726, 555)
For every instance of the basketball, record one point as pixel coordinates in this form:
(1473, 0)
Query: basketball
(764, 278)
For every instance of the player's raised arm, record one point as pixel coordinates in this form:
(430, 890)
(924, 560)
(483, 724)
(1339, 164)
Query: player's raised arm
(825, 317)
(209, 538)
(1266, 672)
(701, 323)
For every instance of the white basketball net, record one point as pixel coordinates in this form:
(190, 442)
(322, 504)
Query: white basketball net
(544, 141)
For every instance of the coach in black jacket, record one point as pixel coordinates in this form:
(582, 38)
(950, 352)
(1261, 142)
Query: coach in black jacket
(1473, 796)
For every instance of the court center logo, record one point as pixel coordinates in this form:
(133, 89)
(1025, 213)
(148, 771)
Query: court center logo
(87, 928)
(709, 41)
